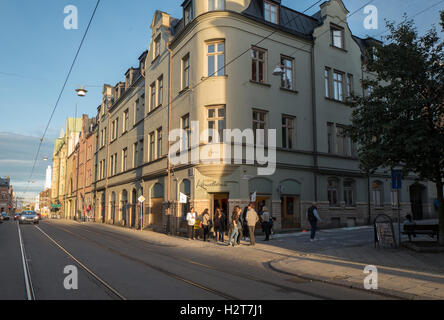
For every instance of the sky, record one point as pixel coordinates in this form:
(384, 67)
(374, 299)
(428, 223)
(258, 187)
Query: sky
(36, 52)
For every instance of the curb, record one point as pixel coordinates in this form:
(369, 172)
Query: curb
(389, 293)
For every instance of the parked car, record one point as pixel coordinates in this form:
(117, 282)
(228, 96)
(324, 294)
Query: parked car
(29, 217)
(5, 216)
(17, 216)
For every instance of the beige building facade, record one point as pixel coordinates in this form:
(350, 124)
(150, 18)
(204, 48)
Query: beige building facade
(214, 68)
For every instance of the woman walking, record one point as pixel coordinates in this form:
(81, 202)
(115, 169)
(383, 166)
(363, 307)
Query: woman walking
(191, 220)
(219, 225)
(235, 227)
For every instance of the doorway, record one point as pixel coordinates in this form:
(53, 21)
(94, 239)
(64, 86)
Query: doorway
(220, 200)
(291, 214)
(416, 200)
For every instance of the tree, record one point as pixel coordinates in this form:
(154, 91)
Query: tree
(401, 122)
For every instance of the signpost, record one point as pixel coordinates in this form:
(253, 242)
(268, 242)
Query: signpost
(141, 200)
(397, 185)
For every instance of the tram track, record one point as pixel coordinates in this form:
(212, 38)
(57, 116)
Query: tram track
(114, 236)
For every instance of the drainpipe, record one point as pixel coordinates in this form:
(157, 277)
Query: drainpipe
(170, 98)
(314, 116)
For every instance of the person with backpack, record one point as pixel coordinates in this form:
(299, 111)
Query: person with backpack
(313, 218)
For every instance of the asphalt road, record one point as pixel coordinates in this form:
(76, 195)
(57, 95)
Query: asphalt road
(114, 265)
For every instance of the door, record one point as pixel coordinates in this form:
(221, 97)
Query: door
(261, 203)
(156, 212)
(291, 216)
(416, 201)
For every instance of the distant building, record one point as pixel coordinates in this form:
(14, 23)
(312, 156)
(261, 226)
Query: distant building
(45, 202)
(6, 195)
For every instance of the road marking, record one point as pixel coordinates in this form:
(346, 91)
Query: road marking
(28, 283)
(83, 266)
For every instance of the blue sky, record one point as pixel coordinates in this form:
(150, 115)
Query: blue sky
(37, 51)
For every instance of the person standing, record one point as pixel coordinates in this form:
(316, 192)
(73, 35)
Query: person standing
(219, 225)
(252, 219)
(206, 225)
(191, 220)
(266, 225)
(244, 223)
(313, 218)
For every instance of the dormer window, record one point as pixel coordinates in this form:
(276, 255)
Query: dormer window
(337, 37)
(156, 47)
(271, 12)
(188, 13)
(216, 5)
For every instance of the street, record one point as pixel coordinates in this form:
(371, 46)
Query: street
(115, 263)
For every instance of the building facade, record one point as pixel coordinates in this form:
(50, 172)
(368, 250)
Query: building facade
(6, 196)
(192, 78)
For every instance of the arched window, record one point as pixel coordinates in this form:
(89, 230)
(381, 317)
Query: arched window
(349, 193)
(333, 192)
(378, 195)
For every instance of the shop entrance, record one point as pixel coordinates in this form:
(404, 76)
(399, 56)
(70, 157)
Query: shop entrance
(291, 214)
(220, 200)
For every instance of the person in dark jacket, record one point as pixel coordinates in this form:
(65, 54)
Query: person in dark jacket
(313, 217)
(219, 225)
(245, 233)
(206, 224)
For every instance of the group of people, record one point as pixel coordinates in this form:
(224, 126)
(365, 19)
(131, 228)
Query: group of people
(242, 224)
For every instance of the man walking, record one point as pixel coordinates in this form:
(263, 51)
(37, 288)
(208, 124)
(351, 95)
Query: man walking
(191, 220)
(252, 219)
(313, 218)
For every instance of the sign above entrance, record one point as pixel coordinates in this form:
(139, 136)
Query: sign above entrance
(141, 199)
(396, 179)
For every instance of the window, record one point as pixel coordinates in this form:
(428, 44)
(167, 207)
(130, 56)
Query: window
(125, 120)
(114, 129)
(152, 147)
(142, 103)
(136, 110)
(159, 143)
(124, 159)
(271, 12)
(349, 193)
(216, 58)
(135, 155)
(115, 163)
(378, 199)
(259, 65)
(349, 85)
(287, 76)
(331, 137)
(216, 122)
(288, 132)
(340, 141)
(160, 90)
(333, 192)
(111, 168)
(156, 47)
(186, 72)
(338, 86)
(186, 141)
(394, 197)
(153, 95)
(337, 36)
(216, 5)
(259, 123)
(141, 142)
(188, 13)
(327, 82)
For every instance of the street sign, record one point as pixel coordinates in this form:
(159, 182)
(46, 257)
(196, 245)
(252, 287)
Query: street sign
(56, 206)
(396, 179)
(141, 199)
(183, 198)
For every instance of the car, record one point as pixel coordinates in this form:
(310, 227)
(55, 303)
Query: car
(17, 216)
(5, 216)
(29, 217)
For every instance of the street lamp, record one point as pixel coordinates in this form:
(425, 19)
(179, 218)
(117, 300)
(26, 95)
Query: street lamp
(278, 71)
(81, 92)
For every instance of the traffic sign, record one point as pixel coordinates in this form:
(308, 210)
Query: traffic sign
(141, 199)
(396, 179)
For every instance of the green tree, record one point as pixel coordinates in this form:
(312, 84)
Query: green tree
(401, 122)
